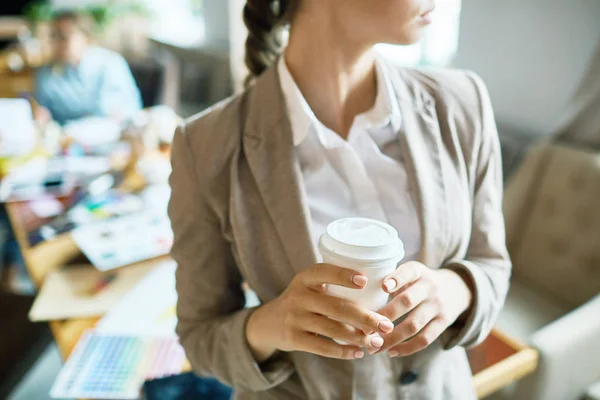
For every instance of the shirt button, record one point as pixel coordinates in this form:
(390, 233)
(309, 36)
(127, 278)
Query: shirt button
(408, 377)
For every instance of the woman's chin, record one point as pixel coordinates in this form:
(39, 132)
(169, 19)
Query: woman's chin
(408, 38)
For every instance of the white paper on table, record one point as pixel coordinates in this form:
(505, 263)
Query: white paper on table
(88, 165)
(36, 169)
(125, 240)
(46, 207)
(148, 309)
(156, 170)
(33, 170)
(31, 173)
(17, 128)
(156, 198)
(94, 131)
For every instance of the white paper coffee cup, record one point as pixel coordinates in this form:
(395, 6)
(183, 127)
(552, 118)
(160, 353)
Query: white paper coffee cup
(368, 246)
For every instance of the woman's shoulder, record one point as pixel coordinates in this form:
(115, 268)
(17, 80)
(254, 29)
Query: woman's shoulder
(460, 96)
(461, 92)
(461, 102)
(459, 87)
(215, 133)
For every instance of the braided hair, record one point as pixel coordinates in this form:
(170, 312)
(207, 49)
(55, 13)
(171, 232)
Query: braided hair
(265, 20)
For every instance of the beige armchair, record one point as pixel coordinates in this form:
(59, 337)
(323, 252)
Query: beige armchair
(552, 209)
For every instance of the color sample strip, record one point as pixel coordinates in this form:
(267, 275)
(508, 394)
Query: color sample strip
(115, 367)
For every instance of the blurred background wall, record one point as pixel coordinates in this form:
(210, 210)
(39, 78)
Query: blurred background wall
(531, 54)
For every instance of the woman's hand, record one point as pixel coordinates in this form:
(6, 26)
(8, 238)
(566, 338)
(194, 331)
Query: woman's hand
(304, 315)
(433, 300)
(42, 114)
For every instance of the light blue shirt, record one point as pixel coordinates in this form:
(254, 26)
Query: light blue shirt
(101, 85)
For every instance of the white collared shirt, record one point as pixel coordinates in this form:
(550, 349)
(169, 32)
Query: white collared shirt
(362, 176)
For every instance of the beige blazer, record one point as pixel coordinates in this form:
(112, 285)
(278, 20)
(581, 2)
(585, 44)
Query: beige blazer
(239, 214)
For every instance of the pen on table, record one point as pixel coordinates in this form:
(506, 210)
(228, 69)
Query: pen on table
(102, 284)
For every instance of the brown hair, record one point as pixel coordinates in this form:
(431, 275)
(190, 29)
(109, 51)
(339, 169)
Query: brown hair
(265, 20)
(81, 20)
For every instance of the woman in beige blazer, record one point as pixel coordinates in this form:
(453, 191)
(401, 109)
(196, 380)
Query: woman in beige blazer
(246, 190)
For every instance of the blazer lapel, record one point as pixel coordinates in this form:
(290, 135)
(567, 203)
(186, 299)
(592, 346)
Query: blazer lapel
(269, 149)
(422, 150)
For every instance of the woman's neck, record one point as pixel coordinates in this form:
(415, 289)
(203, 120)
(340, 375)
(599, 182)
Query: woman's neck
(338, 82)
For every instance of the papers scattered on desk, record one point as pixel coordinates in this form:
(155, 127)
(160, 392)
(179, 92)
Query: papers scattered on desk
(134, 342)
(115, 367)
(156, 198)
(156, 170)
(94, 131)
(86, 166)
(125, 240)
(67, 293)
(109, 204)
(34, 180)
(17, 128)
(56, 176)
(148, 309)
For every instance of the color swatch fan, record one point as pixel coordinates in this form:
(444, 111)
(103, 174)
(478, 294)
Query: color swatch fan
(116, 367)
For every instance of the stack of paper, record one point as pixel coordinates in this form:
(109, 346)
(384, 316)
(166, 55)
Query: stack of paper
(74, 292)
(148, 309)
(17, 128)
(94, 131)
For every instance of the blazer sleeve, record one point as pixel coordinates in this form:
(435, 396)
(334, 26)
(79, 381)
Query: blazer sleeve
(210, 310)
(487, 263)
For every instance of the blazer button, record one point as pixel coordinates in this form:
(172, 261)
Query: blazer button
(408, 377)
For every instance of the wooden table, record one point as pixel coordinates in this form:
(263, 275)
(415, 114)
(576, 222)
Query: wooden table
(497, 362)
(50, 255)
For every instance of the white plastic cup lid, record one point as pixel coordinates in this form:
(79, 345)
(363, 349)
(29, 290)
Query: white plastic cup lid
(362, 239)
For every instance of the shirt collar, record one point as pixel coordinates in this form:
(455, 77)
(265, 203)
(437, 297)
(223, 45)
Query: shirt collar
(299, 112)
(61, 67)
(385, 111)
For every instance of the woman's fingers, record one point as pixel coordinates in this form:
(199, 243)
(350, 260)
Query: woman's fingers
(321, 274)
(406, 300)
(416, 321)
(404, 275)
(330, 328)
(423, 339)
(311, 343)
(347, 312)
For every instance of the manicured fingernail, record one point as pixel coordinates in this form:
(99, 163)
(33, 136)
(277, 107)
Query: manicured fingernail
(390, 284)
(359, 354)
(376, 341)
(385, 326)
(393, 353)
(359, 280)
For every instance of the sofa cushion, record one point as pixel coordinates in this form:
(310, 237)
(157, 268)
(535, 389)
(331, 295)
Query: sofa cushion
(528, 309)
(555, 235)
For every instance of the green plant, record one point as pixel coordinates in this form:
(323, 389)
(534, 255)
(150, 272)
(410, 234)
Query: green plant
(39, 11)
(102, 14)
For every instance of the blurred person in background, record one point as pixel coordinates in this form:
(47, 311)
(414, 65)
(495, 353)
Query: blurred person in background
(83, 80)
